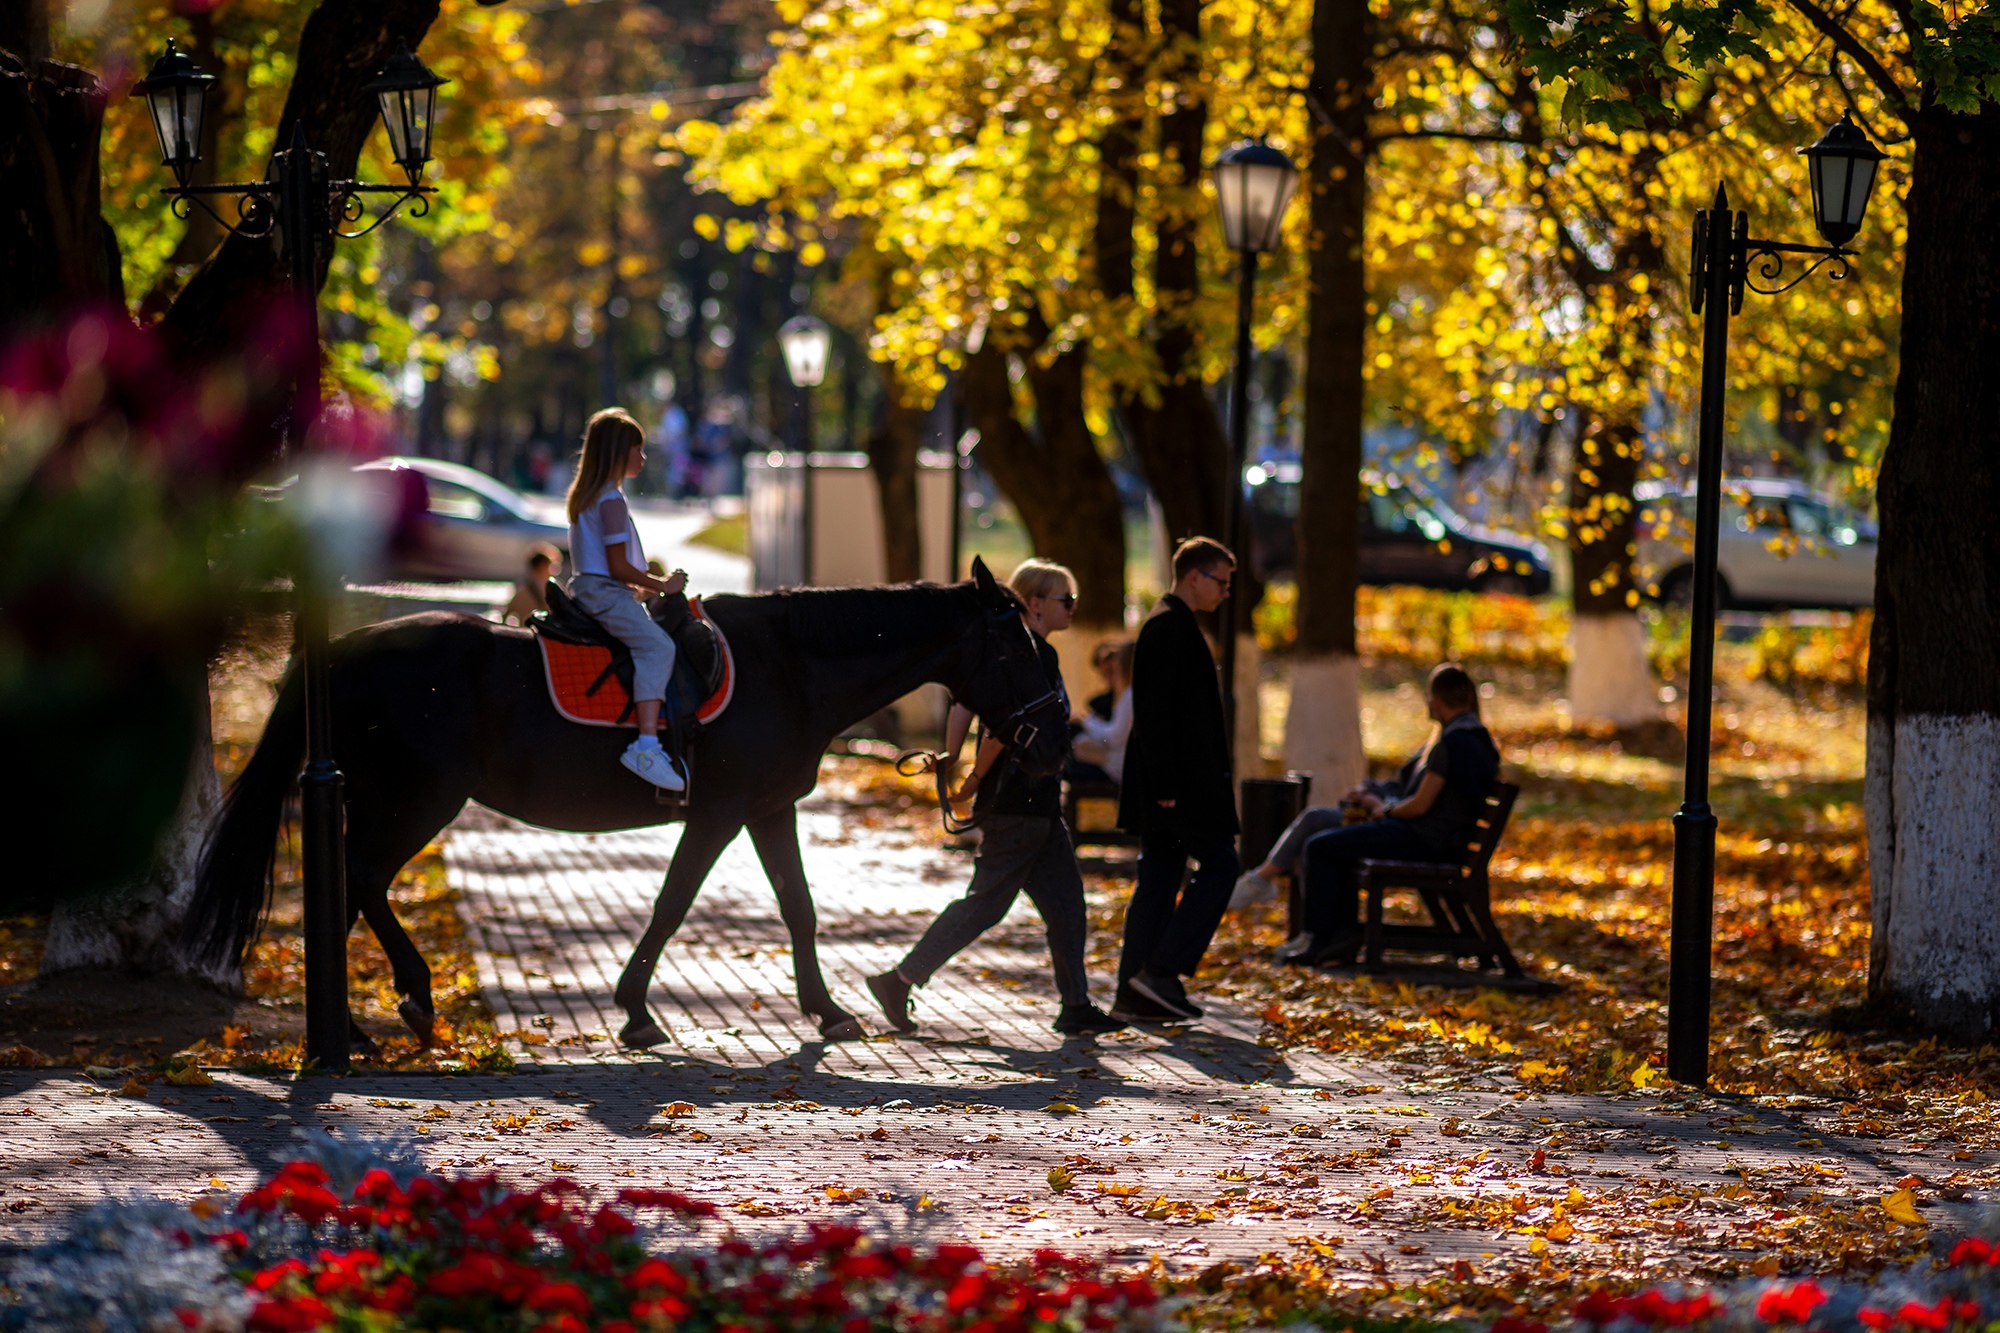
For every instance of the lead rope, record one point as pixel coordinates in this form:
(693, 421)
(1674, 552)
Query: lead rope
(927, 762)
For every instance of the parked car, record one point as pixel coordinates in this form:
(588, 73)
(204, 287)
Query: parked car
(1406, 537)
(474, 527)
(1777, 545)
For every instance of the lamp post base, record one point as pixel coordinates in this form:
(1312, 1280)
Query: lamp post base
(1688, 956)
(321, 796)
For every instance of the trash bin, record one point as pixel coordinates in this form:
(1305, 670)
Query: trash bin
(1269, 805)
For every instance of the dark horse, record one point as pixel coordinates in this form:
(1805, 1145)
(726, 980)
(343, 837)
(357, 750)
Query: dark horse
(433, 710)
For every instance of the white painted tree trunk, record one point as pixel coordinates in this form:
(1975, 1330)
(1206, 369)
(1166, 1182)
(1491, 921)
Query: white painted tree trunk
(1609, 677)
(1323, 725)
(1249, 754)
(1933, 808)
(134, 929)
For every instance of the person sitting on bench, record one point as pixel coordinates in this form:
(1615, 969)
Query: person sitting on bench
(1426, 814)
(1099, 743)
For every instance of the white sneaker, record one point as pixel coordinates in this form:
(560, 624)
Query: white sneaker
(652, 764)
(1251, 888)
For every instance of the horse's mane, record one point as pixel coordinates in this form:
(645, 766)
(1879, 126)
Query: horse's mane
(860, 620)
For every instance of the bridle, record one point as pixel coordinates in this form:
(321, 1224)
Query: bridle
(1018, 733)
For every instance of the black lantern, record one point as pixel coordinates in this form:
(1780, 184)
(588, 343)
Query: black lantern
(408, 91)
(1253, 186)
(1842, 166)
(176, 90)
(805, 342)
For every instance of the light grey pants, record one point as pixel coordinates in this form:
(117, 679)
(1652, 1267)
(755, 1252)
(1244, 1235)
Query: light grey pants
(1309, 824)
(612, 605)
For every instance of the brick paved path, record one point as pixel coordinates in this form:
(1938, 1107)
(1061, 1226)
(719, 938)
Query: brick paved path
(1195, 1144)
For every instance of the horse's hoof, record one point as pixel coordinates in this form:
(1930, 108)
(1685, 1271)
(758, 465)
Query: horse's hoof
(845, 1028)
(359, 1042)
(420, 1018)
(640, 1033)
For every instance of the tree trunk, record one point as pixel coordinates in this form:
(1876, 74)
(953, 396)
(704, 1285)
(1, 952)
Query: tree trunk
(1323, 725)
(1055, 476)
(1932, 794)
(892, 454)
(1610, 679)
(136, 928)
(55, 247)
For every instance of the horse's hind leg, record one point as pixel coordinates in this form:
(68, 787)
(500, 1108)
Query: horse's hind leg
(701, 842)
(776, 836)
(384, 830)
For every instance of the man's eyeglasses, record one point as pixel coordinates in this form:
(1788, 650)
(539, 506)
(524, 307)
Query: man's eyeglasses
(1221, 581)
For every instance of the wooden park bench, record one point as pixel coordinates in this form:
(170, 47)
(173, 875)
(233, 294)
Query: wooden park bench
(1074, 794)
(1456, 896)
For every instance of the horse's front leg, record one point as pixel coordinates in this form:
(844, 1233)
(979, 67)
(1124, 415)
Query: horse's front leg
(701, 843)
(776, 837)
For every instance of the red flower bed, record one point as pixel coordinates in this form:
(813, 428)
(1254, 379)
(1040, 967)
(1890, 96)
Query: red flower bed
(471, 1253)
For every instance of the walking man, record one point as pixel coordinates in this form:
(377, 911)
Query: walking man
(1177, 794)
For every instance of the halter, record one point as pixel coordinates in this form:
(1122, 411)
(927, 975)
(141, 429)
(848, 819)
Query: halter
(1020, 734)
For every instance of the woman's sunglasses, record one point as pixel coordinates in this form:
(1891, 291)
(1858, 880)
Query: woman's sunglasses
(1068, 600)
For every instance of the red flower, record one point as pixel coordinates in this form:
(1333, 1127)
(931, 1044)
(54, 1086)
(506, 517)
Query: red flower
(1599, 1308)
(666, 1310)
(1936, 1317)
(1876, 1318)
(398, 1296)
(965, 1293)
(342, 1272)
(555, 1296)
(479, 1275)
(656, 1275)
(291, 1314)
(1790, 1305)
(275, 1274)
(1973, 1250)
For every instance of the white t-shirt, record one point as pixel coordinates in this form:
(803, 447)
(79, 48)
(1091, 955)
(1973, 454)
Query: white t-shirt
(587, 537)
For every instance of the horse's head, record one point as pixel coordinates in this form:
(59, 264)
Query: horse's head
(1003, 682)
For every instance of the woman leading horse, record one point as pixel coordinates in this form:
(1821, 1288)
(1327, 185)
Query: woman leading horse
(433, 710)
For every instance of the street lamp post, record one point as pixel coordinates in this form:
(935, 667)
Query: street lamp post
(1254, 183)
(303, 207)
(805, 342)
(1842, 166)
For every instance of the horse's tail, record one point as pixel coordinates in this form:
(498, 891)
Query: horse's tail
(230, 895)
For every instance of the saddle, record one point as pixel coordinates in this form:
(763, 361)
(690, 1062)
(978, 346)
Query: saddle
(573, 643)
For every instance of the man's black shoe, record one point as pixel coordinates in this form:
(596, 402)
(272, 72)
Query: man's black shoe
(1084, 1020)
(893, 994)
(1132, 1007)
(1165, 990)
(1297, 949)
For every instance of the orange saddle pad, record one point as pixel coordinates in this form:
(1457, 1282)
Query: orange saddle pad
(572, 668)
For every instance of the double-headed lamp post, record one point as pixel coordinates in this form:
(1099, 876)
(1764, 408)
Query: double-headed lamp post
(302, 207)
(1842, 168)
(1254, 183)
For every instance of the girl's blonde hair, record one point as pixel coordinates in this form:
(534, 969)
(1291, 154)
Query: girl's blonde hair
(608, 441)
(1041, 578)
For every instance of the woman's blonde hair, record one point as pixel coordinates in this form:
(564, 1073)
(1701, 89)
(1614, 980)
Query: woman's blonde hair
(1041, 578)
(608, 441)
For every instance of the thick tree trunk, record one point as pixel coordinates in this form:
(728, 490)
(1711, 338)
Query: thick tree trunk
(1056, 479)
(1932, 791)
(55, 247)
(1609, 677)
(1323, 725)
(892, 454)
(135, 928)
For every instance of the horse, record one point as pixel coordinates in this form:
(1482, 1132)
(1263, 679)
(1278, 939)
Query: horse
(435, 709)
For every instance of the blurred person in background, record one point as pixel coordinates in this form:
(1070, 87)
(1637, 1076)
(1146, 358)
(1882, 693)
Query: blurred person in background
(531, 593)
(1101, 734)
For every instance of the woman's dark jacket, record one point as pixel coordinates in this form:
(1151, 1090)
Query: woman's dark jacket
(1179, 750)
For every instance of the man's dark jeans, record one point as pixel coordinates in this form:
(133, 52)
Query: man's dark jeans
(1168, 930)
(1333, 899)
(1016, 853)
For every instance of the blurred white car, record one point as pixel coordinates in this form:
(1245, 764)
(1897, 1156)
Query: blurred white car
(1778, 545)
(473, 527)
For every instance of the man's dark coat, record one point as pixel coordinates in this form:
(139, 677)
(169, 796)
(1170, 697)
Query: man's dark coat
(1179, 750)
